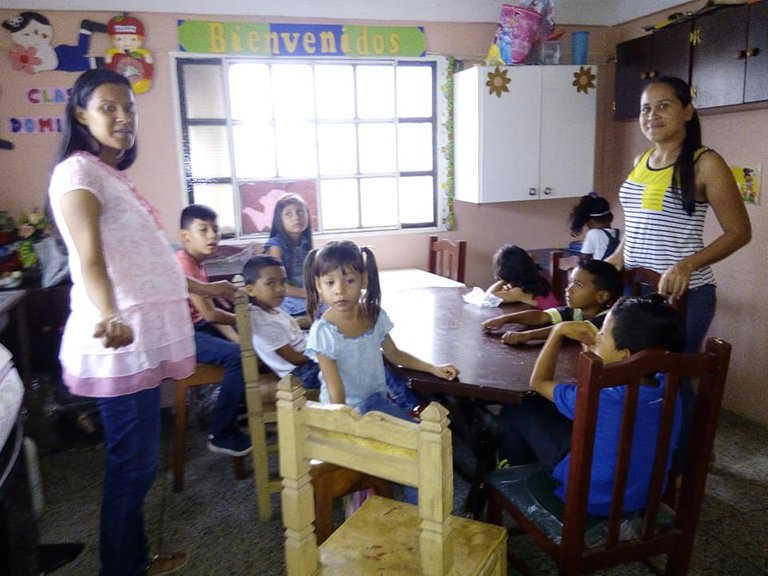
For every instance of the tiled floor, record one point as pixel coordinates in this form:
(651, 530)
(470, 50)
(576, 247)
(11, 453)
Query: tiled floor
(216, 520)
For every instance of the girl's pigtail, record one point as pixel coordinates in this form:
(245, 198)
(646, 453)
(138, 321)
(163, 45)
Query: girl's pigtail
(373, 289)
(313, 298)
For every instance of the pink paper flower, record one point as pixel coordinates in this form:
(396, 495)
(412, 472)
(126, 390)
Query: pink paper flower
(24, 58)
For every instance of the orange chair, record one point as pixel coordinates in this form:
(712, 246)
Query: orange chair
(447, 259)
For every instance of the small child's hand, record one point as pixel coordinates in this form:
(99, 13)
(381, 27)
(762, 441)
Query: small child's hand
(511, 338)
(446, 371)
(493, 324)
(583, 332)
(114, 332)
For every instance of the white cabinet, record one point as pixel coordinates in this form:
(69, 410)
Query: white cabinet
(535, 141)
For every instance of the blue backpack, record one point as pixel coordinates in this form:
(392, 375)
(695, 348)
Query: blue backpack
(613, 242)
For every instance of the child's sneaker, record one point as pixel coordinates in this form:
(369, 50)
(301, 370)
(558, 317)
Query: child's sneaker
(237, 444)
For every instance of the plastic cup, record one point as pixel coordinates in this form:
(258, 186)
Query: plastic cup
(579, 47)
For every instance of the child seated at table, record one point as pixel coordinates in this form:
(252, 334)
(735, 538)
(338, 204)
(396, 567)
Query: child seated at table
(278, 337)
(539, 429)
(519, 279)
(593, 287)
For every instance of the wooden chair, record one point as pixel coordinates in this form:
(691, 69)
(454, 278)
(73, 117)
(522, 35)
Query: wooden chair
(582, 543)
(447, 259)
(205, 375)
(383, 535)
(560, 267)
(260, 392)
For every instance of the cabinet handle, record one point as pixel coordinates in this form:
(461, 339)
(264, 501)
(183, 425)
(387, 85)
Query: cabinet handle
(643, 75)
(547, 191)
(653, 74)
(695, 37)
(740, 54)
(531, 191)
(753, 52)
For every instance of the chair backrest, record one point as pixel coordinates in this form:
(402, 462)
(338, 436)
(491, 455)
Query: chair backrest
(410, 453)
(560, 267)
(710, 368)
(640, 281)
(447, 259)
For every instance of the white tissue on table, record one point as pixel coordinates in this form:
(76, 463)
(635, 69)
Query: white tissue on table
(479, 297)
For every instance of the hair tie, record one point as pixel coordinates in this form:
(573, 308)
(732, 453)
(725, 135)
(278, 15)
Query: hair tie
(597, 215)
(594, 195)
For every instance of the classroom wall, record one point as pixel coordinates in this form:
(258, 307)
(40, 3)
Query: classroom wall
(742, 137)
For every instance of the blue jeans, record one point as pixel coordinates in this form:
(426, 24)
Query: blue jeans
(699, 312)
(399, 391)
(132, 434)
(213, 348)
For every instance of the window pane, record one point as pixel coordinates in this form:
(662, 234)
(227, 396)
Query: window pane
(203, 91)
(220, 198)
(377, 148)
(339, 208)
(414, 91)
(417, 200)
(254, 146)
(415, 150)
(209, 152)
(250, 92)
(375, 92)
(296, 150)
(293, 87)
(337, 144)
(378, 201)
(335, 92)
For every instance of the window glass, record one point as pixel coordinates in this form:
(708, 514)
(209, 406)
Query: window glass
(377, 148)
(415, 149)
(203, 91)
(254, 146)
(337, 146)
(414, 91)
(417, 199)
(220, 198)
(378, 202)
(250, 92)
(339, 204)
(375, 92)
(335, 88)
(209, 151)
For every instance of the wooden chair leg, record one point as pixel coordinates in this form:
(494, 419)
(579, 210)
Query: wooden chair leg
(179, 437)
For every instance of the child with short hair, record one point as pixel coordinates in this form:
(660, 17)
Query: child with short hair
(540, 428)
(593, 287)
(290, 240)
(351, 339)
(594, 212)
(278, 337)
(519, 279)
(216, 340)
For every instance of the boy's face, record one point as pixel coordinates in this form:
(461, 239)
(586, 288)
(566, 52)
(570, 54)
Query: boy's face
(581, 291)
(605, 345)
(268, 291)
(200, 238)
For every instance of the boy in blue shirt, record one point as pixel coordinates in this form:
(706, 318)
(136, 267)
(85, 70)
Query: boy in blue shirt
(539, 429)
(593, 287)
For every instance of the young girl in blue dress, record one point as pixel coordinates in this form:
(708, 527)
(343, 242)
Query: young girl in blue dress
(351, 339)
(290, 241)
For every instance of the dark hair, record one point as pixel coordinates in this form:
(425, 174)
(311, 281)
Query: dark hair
(196, 212)
(76, 137)
(590, 207)
(254, 266)
(345, 255)
(515, 266)
(642, 322)
(605, 277)
(22, 20)
(683, 175)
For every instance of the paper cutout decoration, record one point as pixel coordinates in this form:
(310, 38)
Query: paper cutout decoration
(498, 81)
(748, 180)
(584, 79)
(127, 57)
(33, 50)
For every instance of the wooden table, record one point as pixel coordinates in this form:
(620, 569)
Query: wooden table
(436, 325)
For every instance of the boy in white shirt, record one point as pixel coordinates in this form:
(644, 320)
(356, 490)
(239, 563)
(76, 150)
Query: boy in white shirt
(277, 336)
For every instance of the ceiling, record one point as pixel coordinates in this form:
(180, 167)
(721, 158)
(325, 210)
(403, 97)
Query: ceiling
(584, 12)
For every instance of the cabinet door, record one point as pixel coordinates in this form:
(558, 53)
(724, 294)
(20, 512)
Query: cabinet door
(633, 63)
(719, 58)
(756, 81)
(672, 52)
(568, 118)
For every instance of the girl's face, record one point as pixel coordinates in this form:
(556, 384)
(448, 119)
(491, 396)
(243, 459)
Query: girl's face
(662, 115)
(295, 219)
(341, 288)
(605, 345)
(110, 116)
